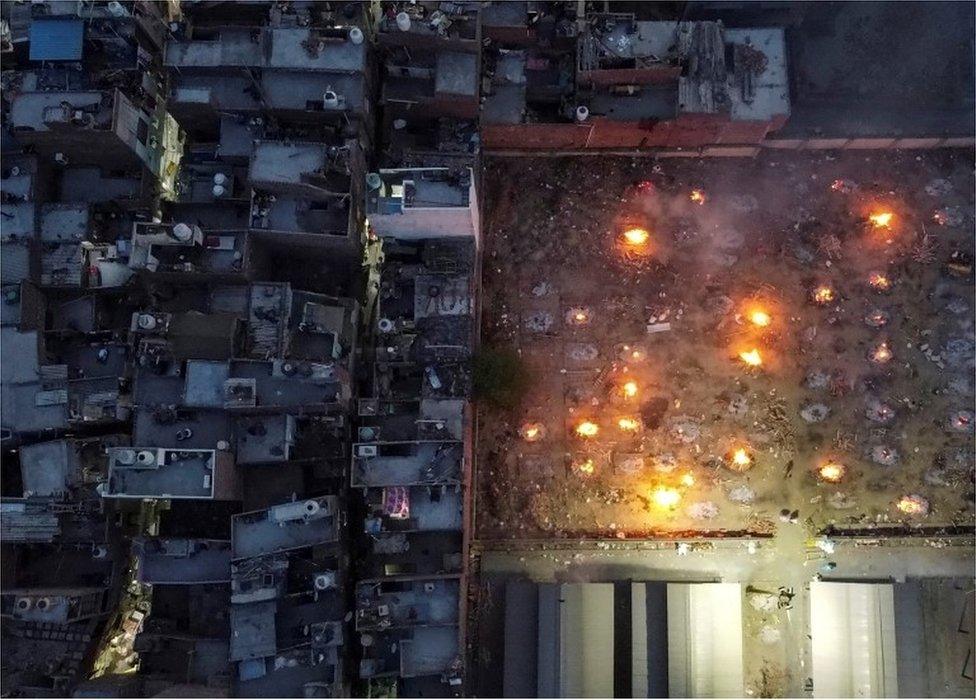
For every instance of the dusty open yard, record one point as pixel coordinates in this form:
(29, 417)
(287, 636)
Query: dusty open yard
(646, 338)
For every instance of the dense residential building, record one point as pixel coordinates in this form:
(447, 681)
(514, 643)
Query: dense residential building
(266, 434)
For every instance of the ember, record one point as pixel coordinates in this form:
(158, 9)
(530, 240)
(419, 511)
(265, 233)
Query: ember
(636, 237)
(585, 467)
(587, 429)
(879, 281)
(913, 504)
(881, 353)
(688, 480)
(697, 196)
(961, 421)
(631, 425)
(578, 316)
(876, 318)
(751, 357)
(760, 318)
(823, 295)
(881, 219)
(629, 389)
(665, 497)
(532, 432)
(831, 472)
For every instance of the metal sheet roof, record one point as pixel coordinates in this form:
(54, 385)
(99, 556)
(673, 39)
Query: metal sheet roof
(57, 39)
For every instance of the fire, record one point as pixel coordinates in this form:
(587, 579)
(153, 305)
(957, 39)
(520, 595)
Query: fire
(665, 497)
(879, 281)
(586, 467)
(636, 237)
(629, 389)
(578, 316)
(751, 357)
(881, 219)
(587, 429)
(881, 353)
(532, 432)
(832, 472)
(823, 295)
(760, 318)
(629, 424)
(741, 458)
(688, 480)
(697, 196)
(913, 505)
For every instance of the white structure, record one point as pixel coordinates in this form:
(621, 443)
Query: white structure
(853, 630)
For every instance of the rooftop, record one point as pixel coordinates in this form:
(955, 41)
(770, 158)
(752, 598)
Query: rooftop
(160, 473)
(393, 603)
(183, 561)
(295, 48)
(406, 463)
(287, 526)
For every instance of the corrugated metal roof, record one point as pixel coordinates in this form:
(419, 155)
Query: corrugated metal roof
(56, 39)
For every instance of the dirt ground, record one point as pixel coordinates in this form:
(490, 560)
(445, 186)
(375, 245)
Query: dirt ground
(590, 313)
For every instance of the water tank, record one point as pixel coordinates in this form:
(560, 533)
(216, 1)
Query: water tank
(42, 603)
(24, 604)
(582, 112)
(356, 35)
(99, 551)
(219, 179)
(183, 233)
(385, 325)
(146, 458)
(325, 581)
(330, 99)
(223, 445)
(291, 512)
(125, 457)
(403, 22)
(147, 322)
(374, 181)
(218, 191)
(116, 9)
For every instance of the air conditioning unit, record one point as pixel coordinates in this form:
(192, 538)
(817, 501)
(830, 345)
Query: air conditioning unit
(383, 610)
(367, 451)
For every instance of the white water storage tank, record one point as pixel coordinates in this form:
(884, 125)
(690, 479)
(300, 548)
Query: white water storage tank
(403, 22)
(183, 232)
(582, 112)
(356, 35)
(296, 510)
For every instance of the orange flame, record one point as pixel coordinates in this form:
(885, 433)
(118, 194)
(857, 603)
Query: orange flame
(628, 424)
(751, 357)
(912, 505)
(636, 237)
(823, 295)
(665, 497)
(879, 281)
(741, 458)
(687, 480)
(587, 429)
(881, 219)
(760, 318)
(532, 432)
(881, 353)
(586, 467)
(832, 472)
(697, 196)
(629, 389)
